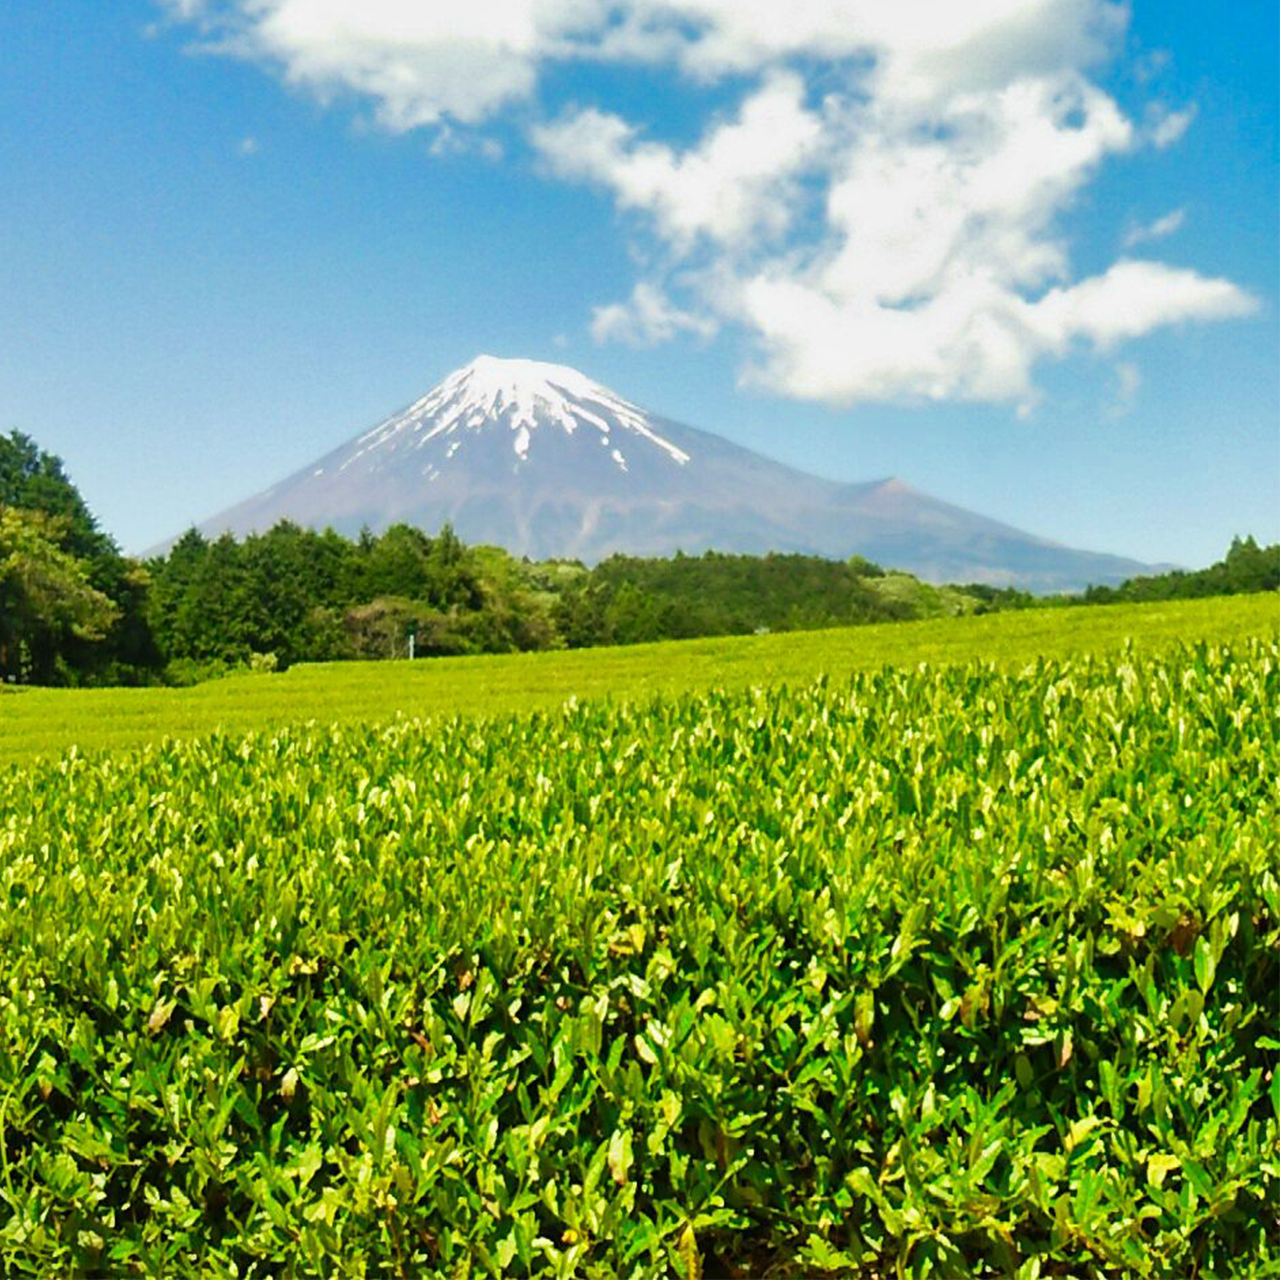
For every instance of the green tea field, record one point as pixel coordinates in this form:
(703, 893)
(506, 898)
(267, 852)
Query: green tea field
(47, 721)
(933, 950)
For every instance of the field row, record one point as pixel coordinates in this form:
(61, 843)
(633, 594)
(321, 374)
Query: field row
(47, 721)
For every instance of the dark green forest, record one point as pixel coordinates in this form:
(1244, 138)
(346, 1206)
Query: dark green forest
(1246, 567)
(75, 610)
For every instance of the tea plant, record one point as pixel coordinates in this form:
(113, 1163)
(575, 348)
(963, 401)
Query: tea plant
(958, 972)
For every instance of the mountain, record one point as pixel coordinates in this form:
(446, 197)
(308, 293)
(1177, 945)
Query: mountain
(543, 461)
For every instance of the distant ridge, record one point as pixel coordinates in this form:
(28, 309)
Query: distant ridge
(540, 459)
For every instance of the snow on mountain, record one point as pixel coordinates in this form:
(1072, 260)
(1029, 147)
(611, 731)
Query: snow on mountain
(542, 460)
(523, 397)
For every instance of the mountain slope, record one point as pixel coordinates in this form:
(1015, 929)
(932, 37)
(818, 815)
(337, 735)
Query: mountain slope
(543, 461)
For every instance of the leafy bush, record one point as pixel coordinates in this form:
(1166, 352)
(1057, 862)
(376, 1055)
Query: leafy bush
(928, 973)
(184, 672)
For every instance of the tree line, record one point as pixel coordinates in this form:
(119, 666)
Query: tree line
(1246, 567)
(75, 610)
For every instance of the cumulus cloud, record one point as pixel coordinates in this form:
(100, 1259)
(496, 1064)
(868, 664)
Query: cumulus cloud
(977, 340)
(467, 58)
(733, 187)
(882, 209)
(1129, 299)
(419, 63)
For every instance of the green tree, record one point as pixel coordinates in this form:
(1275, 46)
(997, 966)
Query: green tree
(34, 480)
(46, 598)
(1245, 568)
(172, 581)
(380, 629)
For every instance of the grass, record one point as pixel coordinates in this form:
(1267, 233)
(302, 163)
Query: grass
(45, 722)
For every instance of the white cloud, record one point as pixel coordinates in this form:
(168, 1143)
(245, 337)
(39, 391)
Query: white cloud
(646, 318)
(448, 141)
(882, 211)
(736, 184)
(421, 62)
(1129, 299)
(247, 146)
(1157, 230)
(976, 340)
(1165, 127)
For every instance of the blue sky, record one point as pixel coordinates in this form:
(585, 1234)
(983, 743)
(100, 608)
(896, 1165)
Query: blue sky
(229, 242)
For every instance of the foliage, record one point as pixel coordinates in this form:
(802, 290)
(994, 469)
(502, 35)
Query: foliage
(45, 595)
(379, 630)
(35, 481)
(315, 597)
(119, 651)
(908, 597)
(1246, 568)
(992, 598)
(625, 600)
(922, 972)
(182, 673)
(306, 596)
(45, 721)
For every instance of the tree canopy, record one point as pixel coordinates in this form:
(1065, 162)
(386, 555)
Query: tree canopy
(46, 598)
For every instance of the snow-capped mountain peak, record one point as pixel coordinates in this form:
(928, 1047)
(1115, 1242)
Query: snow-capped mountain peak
(521, 397)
